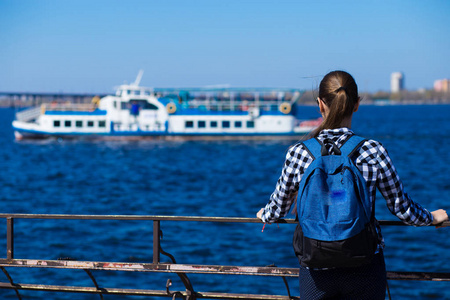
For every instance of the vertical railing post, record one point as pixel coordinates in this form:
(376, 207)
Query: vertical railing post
(9, 238)
(156, 241)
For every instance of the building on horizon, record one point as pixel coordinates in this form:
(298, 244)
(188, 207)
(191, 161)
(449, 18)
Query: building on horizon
(397, 82)
(442, 85)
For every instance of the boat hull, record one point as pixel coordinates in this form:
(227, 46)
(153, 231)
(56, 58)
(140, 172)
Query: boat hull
(21, 134)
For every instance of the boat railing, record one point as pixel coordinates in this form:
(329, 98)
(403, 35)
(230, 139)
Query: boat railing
(157, 266)
(79, 107)
(233, 105)
(28, 114)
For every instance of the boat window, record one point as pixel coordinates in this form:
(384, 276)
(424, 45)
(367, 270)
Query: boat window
(225, 124)
(56, 123)
(67, 123)
(201, 124)
(78, 123)
(150, 106)
(250, 124)
(213, 124)
(115, 104)
(90, 123)
(137, 93)
(101, 123)
(189, 124)
(143, 104)
(237, 124)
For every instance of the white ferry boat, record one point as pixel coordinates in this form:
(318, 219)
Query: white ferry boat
(137, 112)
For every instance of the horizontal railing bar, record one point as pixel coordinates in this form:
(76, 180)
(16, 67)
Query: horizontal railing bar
(150, 267)
(81, 289)
(163, 293)
(421, 276)
(165, 218)
(202, 269)
(137, 292)
(137, 217)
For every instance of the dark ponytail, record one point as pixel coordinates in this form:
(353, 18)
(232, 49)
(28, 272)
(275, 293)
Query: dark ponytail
(339, 92)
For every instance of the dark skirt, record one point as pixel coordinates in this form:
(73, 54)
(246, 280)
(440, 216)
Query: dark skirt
(367, 282)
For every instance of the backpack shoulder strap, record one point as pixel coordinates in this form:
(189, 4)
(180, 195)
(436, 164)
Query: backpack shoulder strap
(313, 146)
(351, 145)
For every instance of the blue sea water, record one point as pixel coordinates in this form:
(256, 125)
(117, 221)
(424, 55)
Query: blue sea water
(204, 178)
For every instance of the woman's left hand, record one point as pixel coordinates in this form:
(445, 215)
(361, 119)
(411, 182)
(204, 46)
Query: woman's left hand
(439, 216)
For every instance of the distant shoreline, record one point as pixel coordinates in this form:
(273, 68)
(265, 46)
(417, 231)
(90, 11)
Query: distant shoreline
(307, 98)
(375, 103)
(4, 104)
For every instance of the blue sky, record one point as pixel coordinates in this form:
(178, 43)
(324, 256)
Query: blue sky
(92, 46)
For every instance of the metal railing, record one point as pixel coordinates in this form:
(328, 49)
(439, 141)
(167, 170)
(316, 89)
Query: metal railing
(233, 105)
(156, 266)
(28, 114)
(82, 107)
(34, 112)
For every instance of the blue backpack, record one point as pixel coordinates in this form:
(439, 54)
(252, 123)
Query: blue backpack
(336, 219)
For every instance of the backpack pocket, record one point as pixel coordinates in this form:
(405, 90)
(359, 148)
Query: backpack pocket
(352, 252)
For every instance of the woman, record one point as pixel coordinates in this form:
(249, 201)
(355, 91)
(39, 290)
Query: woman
(338, 100)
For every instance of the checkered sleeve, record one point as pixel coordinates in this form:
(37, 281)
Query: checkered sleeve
(398, 201)
(281, 200)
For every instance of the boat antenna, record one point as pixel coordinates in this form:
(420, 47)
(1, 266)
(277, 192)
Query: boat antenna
(296, 96)
(138, 78)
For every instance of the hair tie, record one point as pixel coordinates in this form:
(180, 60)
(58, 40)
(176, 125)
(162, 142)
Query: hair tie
(341, 89)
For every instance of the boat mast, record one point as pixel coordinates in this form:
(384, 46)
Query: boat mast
(138, 78)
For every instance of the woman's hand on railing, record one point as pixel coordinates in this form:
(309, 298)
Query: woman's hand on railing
(439, 216)
(259, 213)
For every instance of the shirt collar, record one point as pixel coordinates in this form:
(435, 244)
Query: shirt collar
(337, 135)
(335, 132)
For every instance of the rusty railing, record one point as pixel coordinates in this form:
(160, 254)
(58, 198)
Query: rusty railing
(156, 266)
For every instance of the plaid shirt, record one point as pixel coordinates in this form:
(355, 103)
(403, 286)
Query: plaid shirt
(376, 167)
